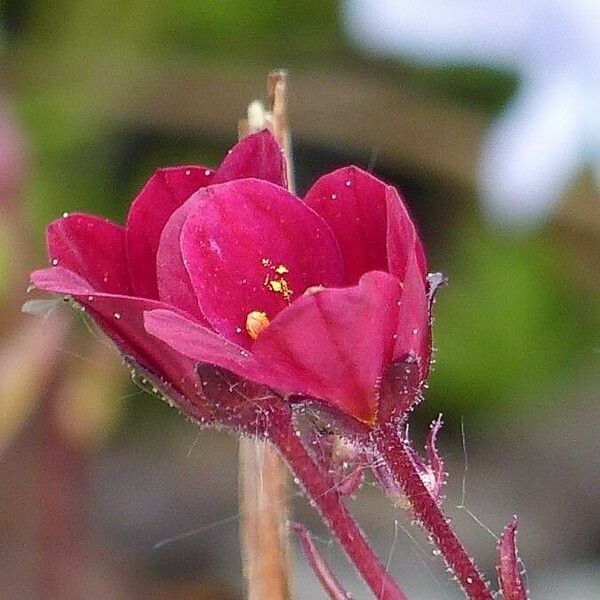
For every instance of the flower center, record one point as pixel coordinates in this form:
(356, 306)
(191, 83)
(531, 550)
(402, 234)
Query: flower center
(256, 322)
(275, 280)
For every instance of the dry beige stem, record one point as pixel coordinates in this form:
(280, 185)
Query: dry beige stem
(264, 521)
(264, 526)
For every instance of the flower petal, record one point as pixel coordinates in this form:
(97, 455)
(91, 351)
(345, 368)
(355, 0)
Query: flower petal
(257, 155)
(242, 236)
(414, 327)
(61, 280)
(402, 239)
(333, 344)
(164, 192)
(122, 320)
(353, 203)
(174, 285)
(91, 247)
(202, 344)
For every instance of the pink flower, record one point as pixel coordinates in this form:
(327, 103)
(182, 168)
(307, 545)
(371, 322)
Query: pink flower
(242, 303)
(314, 298)
(116, 273)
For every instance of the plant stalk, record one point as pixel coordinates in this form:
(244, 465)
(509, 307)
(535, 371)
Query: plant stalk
(323, 494)
(263, 479)
(393, 451)
(264, 520)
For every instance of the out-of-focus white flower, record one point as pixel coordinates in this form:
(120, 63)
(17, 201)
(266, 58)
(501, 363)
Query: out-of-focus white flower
(551, 129)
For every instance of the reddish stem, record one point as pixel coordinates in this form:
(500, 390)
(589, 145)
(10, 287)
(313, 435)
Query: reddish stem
(328, 580)
(323, 493)
(396, 455)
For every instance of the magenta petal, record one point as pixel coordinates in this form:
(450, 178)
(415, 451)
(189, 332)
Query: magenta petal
(334, 344)
(164, 192)
(414, 331)
(121, 319)
(63, 281)
(93, 248)
(236, 238)
(509, 572)
(203, 345)
(353, 203)
(257, 156)
(402, 238)
(174, 285)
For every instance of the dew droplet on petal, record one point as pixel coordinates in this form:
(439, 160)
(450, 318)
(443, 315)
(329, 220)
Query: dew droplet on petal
(188, 172)
(348, 183)
(54, 262)
(117, 315)
(415, 331)
(469, 580)
(207, 172)
(65, 215)
(90, 298)
(333, 196)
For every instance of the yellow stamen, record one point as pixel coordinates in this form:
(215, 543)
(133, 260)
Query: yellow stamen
(256, 322)
(276, 283)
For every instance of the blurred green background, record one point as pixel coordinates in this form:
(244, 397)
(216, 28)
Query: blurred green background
(107, 91)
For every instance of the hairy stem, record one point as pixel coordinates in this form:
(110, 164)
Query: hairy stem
(324, 495)
(392, 449)
(328, 580)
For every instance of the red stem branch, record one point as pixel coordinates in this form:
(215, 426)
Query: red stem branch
(394, 452)
(324, 495)
(328, 580)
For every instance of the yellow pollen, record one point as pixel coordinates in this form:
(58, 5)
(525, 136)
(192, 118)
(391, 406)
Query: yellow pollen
(256, 322)
(275, 282)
